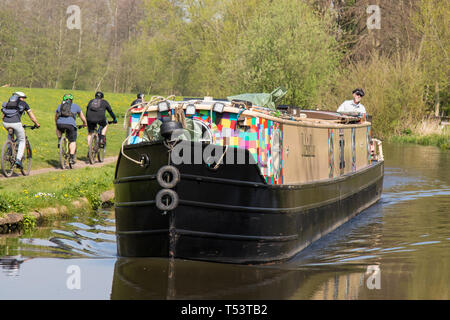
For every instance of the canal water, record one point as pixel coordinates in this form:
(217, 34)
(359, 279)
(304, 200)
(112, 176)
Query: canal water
(397, 249)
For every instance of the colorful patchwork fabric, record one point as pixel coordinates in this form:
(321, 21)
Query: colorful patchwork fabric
(368, 139)
(330, 153)
(353, 149)
(256, 136)
(257, 139)
(202, 115)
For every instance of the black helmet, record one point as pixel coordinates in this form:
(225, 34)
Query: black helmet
(140, 95)
(99, 95)
(359, 92)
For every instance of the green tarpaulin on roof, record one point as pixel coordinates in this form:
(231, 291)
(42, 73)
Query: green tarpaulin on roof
(266, 100)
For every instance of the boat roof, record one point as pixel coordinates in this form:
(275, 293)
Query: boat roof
(314, 118)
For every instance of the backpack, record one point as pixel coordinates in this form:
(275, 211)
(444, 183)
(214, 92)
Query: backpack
(11, 108)
(65, 109)
(13, 103)
(95, 105)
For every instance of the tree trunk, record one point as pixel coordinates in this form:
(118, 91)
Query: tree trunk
(436, 106)
(60, 53)
(78, 61)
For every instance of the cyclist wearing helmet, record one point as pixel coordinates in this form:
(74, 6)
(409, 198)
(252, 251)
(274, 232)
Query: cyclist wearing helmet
(95, 114)
(12, 113)
(140, 99)
(65, 120)
(353, 107)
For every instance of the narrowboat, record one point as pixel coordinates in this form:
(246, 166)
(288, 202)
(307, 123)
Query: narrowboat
(230, 181)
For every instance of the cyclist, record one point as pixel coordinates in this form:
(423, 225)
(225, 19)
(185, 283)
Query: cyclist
(95, 114)
(65, 120)
(12, 113)
(140, 99)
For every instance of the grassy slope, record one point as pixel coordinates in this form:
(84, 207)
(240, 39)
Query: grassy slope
(442, 141)
(30, 193)
(25, 194)
(44, 102)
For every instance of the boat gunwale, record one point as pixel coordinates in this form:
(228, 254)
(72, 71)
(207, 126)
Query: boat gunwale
(298, 185)
(273, 187)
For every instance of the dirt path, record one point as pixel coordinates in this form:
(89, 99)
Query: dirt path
(78, 165)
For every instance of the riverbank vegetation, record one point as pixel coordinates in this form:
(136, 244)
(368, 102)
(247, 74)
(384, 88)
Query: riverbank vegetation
(60, 188)
(319, 49)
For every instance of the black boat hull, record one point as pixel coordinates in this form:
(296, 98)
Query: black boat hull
(231, 215)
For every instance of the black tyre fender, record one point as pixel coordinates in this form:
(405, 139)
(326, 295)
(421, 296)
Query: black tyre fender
(166, 200)
(168, 129)
(168, 176)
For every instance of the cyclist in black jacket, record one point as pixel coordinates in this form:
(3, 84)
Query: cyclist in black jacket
(140, 99)
(12, 114)
(95, 115)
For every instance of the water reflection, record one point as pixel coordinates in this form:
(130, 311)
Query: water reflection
(148, 278)
(152, 278)
(10, 265)
(80, 236)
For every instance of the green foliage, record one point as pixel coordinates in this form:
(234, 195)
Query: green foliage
(394, 92)
(222, 48)
(441, 141)
(12, 203)
(285, 44)
(8, 43)
(432, 21)
(24, 194)
(28, 223)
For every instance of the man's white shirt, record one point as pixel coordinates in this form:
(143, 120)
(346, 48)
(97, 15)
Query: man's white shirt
(351, 106)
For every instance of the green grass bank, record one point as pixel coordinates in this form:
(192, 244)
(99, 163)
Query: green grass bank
(441, 141)
(44, 142)
(55, 193)
(60, 190)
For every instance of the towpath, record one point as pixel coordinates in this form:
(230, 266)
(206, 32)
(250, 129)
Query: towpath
(78, 165)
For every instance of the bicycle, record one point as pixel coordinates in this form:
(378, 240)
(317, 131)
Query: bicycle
(9, 154)
(64, 153)
(95, 150)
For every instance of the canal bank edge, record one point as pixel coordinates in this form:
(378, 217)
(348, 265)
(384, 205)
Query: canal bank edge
(13, 221)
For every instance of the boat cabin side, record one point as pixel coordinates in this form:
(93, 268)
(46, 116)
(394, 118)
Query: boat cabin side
(288, 149)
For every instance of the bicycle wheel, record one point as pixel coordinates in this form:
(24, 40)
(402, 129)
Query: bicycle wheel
(93, 149)
(63, 153)
(8, 159)
(26, 160)
(101, 153)
(70, 162)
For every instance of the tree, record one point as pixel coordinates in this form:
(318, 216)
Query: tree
(286, 43)
(432, 22)
(8, 45)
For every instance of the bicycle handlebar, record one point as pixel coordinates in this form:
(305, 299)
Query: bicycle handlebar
(30, 127)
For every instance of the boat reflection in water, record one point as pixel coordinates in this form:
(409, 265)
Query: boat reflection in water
(161, 279)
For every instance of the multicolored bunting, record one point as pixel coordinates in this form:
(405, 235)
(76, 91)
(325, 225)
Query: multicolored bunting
(330, 153)
(368, 139)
